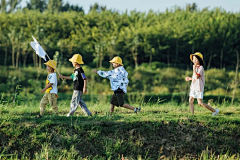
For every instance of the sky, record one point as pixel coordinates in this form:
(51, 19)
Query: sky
(155, 5)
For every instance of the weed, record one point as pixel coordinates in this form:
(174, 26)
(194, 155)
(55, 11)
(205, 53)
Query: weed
(17, 98)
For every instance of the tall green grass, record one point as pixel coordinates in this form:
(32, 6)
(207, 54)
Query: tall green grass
(160, 131)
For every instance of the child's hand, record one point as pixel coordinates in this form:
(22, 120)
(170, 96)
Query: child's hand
(61, 76)
(188, 78)
(94, 71)
(84, 90)
(43, 90)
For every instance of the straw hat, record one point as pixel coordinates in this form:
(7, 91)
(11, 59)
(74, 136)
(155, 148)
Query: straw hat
(76, 58)
(196, 54)
(52, 64)
(117, 60)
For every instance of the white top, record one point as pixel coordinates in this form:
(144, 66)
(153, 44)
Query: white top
(118, 78)
(52, 78)
(198, 84)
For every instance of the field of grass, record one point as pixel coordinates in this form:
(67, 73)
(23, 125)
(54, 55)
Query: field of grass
(159, 131)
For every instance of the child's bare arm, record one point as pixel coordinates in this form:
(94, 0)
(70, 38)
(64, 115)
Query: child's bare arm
(188, 78)
(85, 86)
(47, 86)
(65, 77)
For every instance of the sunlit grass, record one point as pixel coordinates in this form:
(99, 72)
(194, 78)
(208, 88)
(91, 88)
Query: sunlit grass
(169, 126)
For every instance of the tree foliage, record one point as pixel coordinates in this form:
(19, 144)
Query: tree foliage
(169, 37)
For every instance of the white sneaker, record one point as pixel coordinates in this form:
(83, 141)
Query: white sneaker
(68, 115)
(215, 113)
(137, 109)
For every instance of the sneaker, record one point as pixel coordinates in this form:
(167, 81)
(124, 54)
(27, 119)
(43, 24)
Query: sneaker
(215, 113)
(68, 115)
(137, 109)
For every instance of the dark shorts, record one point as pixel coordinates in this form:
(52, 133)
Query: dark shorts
(117, 99)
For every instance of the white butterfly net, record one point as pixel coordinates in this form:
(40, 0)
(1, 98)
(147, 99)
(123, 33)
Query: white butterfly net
(38, 49)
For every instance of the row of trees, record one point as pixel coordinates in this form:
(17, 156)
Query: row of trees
(52, 6)
(137, 37)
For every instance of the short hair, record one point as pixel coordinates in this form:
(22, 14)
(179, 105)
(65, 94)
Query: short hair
(199, 60)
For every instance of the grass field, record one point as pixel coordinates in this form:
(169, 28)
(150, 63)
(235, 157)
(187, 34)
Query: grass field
(160, 131)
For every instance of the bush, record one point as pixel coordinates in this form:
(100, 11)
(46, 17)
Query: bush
(142, 80)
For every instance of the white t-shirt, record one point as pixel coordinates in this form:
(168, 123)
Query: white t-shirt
(52, 78)
(198, 84)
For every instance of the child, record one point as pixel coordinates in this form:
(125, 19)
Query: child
(79, 86)
(50, 89)
(119, 82)
(197, 85)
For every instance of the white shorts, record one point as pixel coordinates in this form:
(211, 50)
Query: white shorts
(196, 94)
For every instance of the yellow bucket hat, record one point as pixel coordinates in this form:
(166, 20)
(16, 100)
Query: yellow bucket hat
(117, 60)
(52, 64)
(76, 58)
(196, 54)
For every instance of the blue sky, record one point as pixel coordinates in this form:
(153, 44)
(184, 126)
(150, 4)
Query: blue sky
(156, 5)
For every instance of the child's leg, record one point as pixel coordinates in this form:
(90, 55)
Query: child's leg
(191, 101)
(132, 108)
(111, 108)
(200, 103)
(52, 98)
(113, 103)
(83, 105)
(128, 106)
(43, 103)
(74, 103)
(120, 101)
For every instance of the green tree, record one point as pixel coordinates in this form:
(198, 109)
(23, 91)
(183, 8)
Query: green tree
(97, 8)
(99, 52)
(54, 6)
(69, 7)
(40, 5)
(9, 6)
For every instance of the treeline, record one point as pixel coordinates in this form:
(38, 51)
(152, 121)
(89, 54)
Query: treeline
(168, 37)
